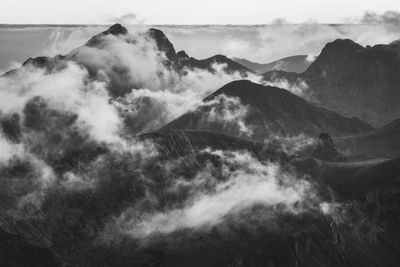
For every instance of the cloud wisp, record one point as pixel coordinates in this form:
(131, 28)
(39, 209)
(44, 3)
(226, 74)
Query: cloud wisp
(245, 182)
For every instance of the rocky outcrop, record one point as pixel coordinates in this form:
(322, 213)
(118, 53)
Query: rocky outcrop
(326, 149)
(163, 44)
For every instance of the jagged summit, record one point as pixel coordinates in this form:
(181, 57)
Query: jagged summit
(182, 54)
(359, 81)
(163, 43)
(116, 29)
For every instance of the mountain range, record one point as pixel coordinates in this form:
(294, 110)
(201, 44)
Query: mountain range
(354, 80)
(298, 64)
(271, 111)
(252, 176)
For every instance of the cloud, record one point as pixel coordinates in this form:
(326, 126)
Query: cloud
(246, 182)
(77, 124)
(8, 150)
(61, 41)
(127, 19)
(291, 145)
(228, 111)
(67, 90)
(298, 87)
(390, 17)
(183, 94)
(72, 107)
(311, 58)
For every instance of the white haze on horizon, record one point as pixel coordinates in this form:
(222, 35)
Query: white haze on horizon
(258, 43)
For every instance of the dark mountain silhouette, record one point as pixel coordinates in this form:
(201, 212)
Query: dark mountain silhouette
(97, 40)
(354, 80)
(296, 64)
(163, 43)
(271, 111)
(182, 54)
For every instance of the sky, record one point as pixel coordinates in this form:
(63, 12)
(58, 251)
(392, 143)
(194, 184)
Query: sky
(259, 30)
(187, 11)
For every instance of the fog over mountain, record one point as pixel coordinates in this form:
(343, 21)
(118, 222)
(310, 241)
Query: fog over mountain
(296, 64)
(152, 146)
(257, 43)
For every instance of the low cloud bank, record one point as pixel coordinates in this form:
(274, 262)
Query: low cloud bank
(244, 183)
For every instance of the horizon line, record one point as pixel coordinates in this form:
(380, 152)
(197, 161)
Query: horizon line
(14, 25)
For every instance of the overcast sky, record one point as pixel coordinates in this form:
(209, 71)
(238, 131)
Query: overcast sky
(187, 11)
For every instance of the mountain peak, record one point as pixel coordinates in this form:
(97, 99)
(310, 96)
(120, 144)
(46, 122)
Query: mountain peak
(336, 57)
(116, 29)
(269, 110)
(163, 43)
(182, 54)
(342, 46)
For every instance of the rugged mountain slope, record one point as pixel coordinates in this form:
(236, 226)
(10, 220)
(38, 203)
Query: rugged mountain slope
(380, 143)
(270, 111)
(355, 81)
(72, 222)
(130, 201)
(295, 64)
(184, 143)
